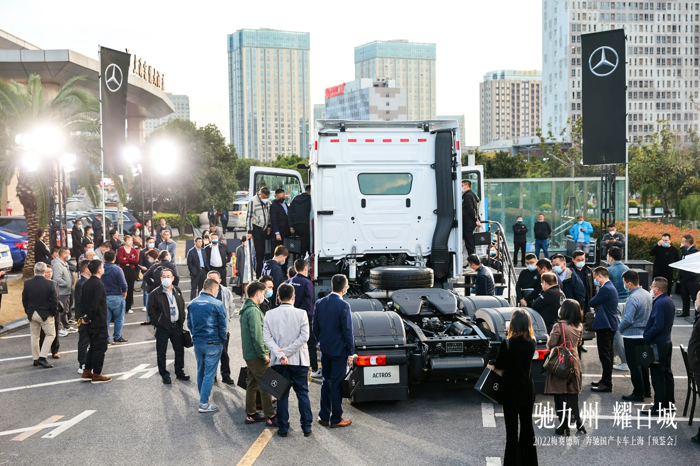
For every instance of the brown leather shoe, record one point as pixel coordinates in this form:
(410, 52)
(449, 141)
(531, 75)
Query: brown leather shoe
(342, 423)
(323, 423)
(56, 356)
(87, 375)
(99, 378)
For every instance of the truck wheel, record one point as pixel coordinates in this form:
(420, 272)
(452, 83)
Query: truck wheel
(400, 277)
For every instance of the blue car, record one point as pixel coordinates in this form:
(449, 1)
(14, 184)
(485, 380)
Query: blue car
(18, 245)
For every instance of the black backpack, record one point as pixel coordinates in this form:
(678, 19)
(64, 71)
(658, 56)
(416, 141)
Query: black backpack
(155, 278)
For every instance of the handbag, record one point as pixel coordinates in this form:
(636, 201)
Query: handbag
(560, 361)
(187, 339)
(482, 238)
(275, 384)
(350, 383)
(243, 378)
(293, 245)
(646, 355)
(490, 384)
(588, 324)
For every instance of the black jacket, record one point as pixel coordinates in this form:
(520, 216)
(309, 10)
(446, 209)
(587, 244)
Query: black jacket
(193, 261)
(77, 238)
(94, 302)
(42, 253)
(520, 233)
(542, 230)
(79, 295)
(116, 244)
(483, 283)
(548, 306)
(689, 276)
(300, 209)
(470, 207)
(152, 279)
(279, 220)
(587, 280)
(159, 307)
(223, 250)
(40, 295)
(573, 288)
(515, 359)
(273, 269)
(663, 257)
(527, 280)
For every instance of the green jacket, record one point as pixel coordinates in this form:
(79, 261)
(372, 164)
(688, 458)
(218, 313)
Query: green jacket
(251, 321)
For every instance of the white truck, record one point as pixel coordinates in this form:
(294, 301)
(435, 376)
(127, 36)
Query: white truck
(386, 212)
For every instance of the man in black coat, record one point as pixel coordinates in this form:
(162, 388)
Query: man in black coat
(549, 303)
(166, 310)
(97, 228)
(542, 232)
(94, 315)
(197, 267)
(77, 239)
(299, 219)
(519, 240)
(528, 280)
(83, 339)
(571, 284)
(585, 274)
(40, 301)
(689, 281)
(470, 216)
(542, 266)
(664, 254)
(217, 256)
(279, 219)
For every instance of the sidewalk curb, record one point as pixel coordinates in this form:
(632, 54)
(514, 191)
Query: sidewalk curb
(14, 325)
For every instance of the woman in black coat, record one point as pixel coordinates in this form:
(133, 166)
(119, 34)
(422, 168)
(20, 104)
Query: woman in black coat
(513, 362)
(41, 251)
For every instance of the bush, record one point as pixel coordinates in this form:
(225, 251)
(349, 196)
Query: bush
(633, 204)
(657, 203)
(546, 207)
(174, 219)
(645, 235)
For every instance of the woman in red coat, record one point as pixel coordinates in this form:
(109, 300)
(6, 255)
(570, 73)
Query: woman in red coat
(128, 260)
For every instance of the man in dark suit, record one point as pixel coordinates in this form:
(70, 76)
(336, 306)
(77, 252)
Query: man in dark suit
(548, 304)
(470, 216)
(299, 219)
(94, 315)
(97, 228)
(197, 268)
(279, 219)
(83, 339)
(605, 325)
(332, 327)
(217, 256)
(689, 281)
(40, 301)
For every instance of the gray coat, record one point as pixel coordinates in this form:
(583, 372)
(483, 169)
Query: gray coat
(62, 276)
(287, 328)
(636, 313)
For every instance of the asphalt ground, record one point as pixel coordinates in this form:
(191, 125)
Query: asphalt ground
(136, 419)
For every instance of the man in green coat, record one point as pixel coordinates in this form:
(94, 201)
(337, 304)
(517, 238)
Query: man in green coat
(256, 355)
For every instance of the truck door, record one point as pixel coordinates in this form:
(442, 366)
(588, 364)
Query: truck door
(475, 174)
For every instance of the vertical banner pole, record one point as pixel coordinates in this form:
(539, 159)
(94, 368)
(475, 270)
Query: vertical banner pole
(102, 151)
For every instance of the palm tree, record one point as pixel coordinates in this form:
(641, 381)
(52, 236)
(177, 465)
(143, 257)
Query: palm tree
(73, 112)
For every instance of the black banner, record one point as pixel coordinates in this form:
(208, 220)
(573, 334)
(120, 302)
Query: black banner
(114, 82)
(604, 97)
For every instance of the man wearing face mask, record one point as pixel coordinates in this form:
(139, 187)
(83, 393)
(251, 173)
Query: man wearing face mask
(688, 280)
(581, 232)
(470, 216)
(217, 256)
(585, 274)
(483, 283)
(551, 300)
(527, 280)
(77, 238)
(612, 238)
(279, 219)
(492, 260)
(664, 254)
(605, 324)
(265, 303)
(224, 295)
(571, 285)
(166, 310)
(519, 240)
(542, 232)
(634, 320)
(542, 266)
(258, 225)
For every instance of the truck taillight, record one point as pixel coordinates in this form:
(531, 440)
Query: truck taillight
(376, 360)
(540, 354)
(315, 145)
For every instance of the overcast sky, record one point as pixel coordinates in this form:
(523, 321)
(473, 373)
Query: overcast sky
(187, 40)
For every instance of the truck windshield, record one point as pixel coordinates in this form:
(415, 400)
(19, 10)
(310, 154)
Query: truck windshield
(385, 183)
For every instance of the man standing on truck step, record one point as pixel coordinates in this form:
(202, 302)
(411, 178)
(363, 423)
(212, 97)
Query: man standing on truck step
(470, 216)
(483, 284)
(299, 215)
(279, 219)
(258, 225)
(332, 327)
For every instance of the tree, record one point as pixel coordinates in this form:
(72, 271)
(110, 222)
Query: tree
(71, 115)
(502, 165)
(205, 169)
(243, 171)
(291, 162)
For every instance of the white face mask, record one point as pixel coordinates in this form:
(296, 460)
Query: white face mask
(167, 282)
(264, 201)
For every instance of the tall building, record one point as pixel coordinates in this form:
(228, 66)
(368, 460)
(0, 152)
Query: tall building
(182, 112)
(410, 64)
(319, 113)
(269, 101)
(460, 120)
(509, 105)
(366, 99)
(662, 60)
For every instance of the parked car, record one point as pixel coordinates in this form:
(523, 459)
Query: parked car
(6, 262)
(112, 215)
(237, 217)
(15, 223)
(17, 243)
(242, 195)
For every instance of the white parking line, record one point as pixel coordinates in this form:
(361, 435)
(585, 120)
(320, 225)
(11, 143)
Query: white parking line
(493, 461)
(623, 376)
(487, 415)
(133, 371)
(60, 426)
(121, 345)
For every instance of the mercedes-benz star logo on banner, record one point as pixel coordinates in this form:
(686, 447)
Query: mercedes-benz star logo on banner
(113, 78)
(606, 61)
(273, 383)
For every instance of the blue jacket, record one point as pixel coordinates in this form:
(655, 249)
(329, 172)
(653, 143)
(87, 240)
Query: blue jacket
(606, 301)
(303, 293)
(206, 319)
(483, 284)
(636, 313)
(616, 269)
(588, 229)
(658, 329)
(332, 326)
(113, 280)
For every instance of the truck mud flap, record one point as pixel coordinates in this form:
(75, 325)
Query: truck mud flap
(444, 186)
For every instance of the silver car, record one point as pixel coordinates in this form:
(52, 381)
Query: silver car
(237, 216)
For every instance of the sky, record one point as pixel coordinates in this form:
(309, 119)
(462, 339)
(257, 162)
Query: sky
(187, 40)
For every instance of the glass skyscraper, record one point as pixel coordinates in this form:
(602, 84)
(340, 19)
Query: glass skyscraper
(410, 64)
(269, 103)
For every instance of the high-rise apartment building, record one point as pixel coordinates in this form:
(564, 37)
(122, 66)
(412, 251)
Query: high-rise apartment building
(509, 105)
(366, 99)
(410, 64)
(662, 60)
(182, 112)
(269, 101)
